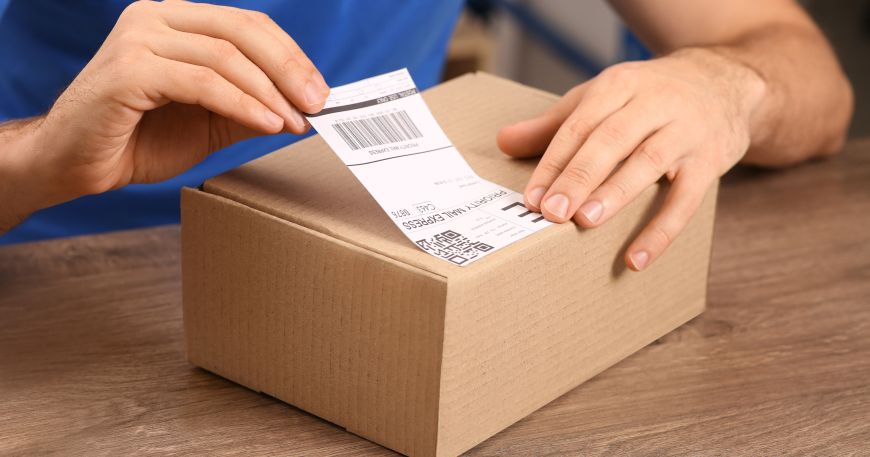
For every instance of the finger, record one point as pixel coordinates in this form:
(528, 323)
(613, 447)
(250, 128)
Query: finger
(685, 196)
(530, 137)
(643, 168)
(226, 59)
(609, 143)
(595, 107)
(286, 66)
(279, 34)
(290, 46)
(192, 84)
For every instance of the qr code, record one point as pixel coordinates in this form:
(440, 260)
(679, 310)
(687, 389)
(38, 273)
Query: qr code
(454, 247)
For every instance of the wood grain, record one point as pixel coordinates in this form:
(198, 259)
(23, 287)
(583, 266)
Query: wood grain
(92, 361)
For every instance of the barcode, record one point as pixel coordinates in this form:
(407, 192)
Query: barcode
(377, 130)
(453, 247)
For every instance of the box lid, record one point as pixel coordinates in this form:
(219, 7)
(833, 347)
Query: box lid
(305, 183)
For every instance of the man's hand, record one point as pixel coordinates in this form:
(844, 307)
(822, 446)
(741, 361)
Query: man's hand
(740, 80)
(685, 116)
(173, 82)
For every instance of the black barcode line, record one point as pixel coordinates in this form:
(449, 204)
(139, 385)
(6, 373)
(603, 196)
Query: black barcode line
(405, 121)
(377, 130)
(346, 136)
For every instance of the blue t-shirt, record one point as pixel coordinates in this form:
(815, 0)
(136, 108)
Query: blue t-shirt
(45, 43)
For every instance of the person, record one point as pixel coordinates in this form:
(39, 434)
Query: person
(175, 83)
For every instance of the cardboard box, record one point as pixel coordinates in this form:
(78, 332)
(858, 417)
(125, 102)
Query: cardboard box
(297, 285)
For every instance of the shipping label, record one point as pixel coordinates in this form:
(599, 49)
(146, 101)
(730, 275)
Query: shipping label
(383, 131)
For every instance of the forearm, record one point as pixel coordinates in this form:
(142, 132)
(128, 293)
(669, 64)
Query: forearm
(807, 102)
(18, 194)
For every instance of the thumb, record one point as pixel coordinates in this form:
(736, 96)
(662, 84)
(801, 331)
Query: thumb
(530, 137)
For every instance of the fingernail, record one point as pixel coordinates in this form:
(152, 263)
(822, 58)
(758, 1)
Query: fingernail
(324, 88)
(519, 123)
(639, 259)
(558, 205)
(298, 120)
(534, 196)
(273, 119)
(313, 93)
(592, 210)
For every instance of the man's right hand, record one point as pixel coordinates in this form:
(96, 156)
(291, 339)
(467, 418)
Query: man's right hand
(173, 82)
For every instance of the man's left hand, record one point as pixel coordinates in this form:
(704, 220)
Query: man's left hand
(685, 116)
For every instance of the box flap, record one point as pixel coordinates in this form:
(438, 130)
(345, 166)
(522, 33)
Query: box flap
(307, 184)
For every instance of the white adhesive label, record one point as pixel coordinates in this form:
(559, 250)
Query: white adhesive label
(383, 131)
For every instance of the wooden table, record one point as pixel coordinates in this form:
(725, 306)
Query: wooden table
(92, 359)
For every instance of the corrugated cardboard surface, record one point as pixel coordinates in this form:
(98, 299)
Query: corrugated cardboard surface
(352, 337)
(564, 308)
(297, 284)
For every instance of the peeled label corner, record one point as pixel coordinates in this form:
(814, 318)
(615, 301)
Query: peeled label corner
(383, 131)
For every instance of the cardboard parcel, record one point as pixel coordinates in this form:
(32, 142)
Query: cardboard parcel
(298, 285)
